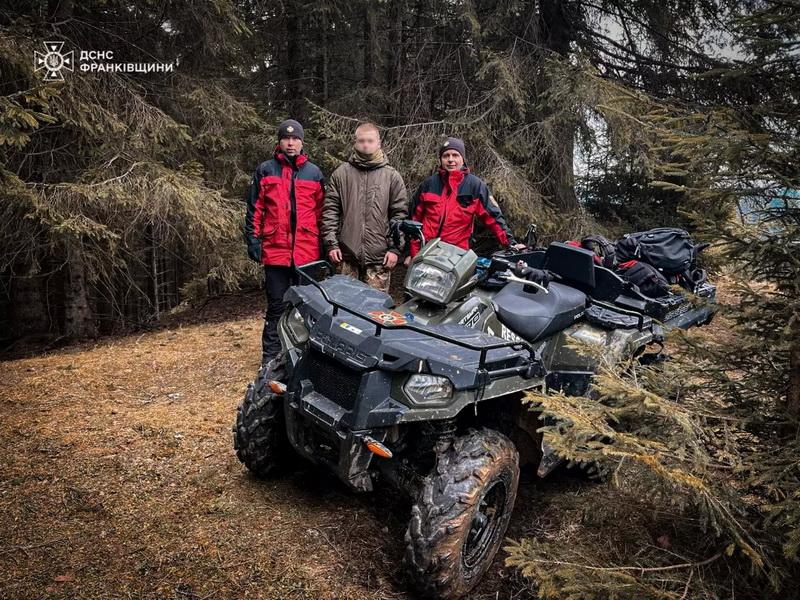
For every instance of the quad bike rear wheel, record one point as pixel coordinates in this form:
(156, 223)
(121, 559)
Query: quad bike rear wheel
(259, 435)
(461, 515)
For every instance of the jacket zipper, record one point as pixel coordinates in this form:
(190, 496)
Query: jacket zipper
(293, 215)
(365, 176)
(444, 206)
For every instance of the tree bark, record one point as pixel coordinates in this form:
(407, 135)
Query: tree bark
(793, 393)
(155, 279)
(292, 62)
(324, 58)
(60, 10)
(78, 318)
(394, 69)
(555, 34)
(27, 307)
(370, 43)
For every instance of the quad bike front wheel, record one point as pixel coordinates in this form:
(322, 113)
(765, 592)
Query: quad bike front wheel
(259, 435)
(461, 515)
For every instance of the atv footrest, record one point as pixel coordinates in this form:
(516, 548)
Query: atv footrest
(608, 318)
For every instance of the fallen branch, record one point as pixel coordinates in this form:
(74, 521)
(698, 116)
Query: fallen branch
(640, 569)
(25, 547)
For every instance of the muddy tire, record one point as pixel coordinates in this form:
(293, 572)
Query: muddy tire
(259, 435)
(461, 515)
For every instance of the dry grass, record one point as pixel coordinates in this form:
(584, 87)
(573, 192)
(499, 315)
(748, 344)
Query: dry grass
(118, 480)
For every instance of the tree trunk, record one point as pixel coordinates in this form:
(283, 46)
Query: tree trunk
(324, 66)
(394, 69)
(78, 318)
(155, 279)
(370, 43)
(60, 10)
(555, 34)
(292, 62)
(27, 307)
(557, 164)
(793, 393)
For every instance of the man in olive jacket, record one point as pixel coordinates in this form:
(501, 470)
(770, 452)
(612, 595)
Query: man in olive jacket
(361, 197)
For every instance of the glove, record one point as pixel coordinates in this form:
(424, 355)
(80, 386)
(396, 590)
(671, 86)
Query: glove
(396, 241)
(254, 250)
(540, 276)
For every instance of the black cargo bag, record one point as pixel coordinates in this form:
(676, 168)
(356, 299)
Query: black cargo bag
(644, 276)
(602, 247)
(670, 250)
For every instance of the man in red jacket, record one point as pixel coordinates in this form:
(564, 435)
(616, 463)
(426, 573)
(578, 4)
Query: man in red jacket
(448, 203)
(284, 206)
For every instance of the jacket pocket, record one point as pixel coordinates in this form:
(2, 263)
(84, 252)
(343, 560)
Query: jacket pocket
(466, 202)
(309, 229)
(269, 231)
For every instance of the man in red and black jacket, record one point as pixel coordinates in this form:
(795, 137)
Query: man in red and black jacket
(448, 203)
(284, 206)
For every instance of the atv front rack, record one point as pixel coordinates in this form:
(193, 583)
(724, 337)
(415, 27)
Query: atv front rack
(534, 367)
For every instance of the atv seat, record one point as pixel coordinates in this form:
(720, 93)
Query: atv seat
(535, 316)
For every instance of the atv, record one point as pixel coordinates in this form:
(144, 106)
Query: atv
(427, 396)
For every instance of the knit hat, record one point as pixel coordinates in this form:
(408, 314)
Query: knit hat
(290, 127)
(456, 144)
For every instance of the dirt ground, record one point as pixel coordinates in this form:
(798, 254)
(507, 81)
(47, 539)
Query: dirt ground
(118, 480)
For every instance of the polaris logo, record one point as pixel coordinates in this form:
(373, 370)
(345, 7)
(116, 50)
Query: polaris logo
(337, 348)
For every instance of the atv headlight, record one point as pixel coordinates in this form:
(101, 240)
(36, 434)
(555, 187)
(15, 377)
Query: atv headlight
(431, 282)
(428, 389)
(296, 327)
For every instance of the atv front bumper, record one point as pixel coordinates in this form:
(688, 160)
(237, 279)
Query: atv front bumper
(314, 428)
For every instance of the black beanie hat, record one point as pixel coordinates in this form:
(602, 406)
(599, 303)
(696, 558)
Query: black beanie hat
(290, 127)
(452, 143)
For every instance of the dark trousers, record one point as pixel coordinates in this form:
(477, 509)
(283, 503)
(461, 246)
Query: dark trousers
(276, 281)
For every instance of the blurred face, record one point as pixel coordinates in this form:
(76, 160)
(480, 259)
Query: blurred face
(452, 160)
(367, 141)
(291, 145)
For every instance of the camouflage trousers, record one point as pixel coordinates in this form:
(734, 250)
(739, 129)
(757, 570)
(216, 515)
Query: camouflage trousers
(376, 276)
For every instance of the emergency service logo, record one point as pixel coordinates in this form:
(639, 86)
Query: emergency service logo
(391, 317)
(53, 61)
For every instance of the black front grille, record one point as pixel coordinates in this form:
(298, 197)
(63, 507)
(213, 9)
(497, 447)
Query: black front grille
(333, 380)
(319, 442)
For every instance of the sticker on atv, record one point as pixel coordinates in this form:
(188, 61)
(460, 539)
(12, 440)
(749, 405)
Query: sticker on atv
(509, 335)
(471, 318)
(350, 328)
(391, 317)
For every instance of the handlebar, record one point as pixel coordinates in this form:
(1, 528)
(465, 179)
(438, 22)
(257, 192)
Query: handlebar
(521, 280)
(406, 228)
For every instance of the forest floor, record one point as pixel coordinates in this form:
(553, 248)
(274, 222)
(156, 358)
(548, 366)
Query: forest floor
(118, 480)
